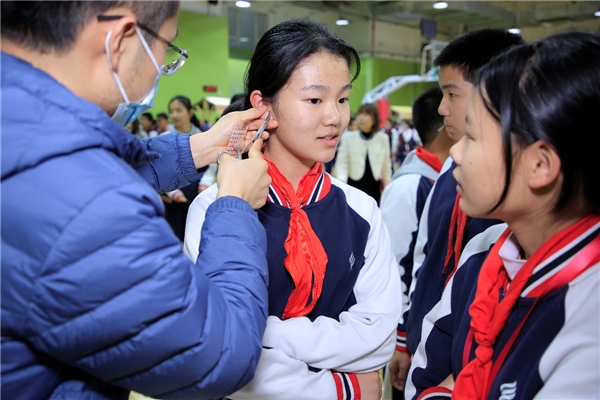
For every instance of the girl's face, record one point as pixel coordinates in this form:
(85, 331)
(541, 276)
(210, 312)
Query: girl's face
(364, 122)
(180, 115)
(479, 157)
(313, 111)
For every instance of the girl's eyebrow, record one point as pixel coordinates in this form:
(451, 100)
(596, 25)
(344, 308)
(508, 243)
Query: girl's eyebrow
(324, 88)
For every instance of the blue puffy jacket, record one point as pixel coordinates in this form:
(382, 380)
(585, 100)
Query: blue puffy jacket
(97, 296)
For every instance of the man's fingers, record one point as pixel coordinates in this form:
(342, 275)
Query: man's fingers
(254, 151)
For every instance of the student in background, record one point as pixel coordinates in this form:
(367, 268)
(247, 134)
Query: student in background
(363, 159)
(402, 204)
(162, 123)
(334, 289)
(444, 230)
(525, 324)
(408, 140)
(148, 124)
(184, 122)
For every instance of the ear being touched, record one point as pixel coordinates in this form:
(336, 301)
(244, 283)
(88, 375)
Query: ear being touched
(256, 99)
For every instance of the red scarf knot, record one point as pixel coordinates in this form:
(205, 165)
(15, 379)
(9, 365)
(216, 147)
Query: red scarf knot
(306, 259)
(489, 312)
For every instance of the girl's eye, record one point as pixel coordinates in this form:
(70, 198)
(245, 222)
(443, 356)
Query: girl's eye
(452, 95)
(314, 101)
(344, 100)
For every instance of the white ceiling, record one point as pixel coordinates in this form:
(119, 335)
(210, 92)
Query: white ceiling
(466, 15)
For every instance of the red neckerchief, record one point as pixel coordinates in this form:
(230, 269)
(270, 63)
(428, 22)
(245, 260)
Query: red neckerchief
(489, 313)
(306, 259)
(429, 158)
(458, 222)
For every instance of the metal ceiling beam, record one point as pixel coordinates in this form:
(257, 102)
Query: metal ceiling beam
(575, 11)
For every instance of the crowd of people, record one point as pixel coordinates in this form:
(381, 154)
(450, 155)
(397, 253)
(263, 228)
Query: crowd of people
(458, 255)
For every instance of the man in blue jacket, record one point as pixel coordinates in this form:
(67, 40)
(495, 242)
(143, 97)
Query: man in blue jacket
(97, 296)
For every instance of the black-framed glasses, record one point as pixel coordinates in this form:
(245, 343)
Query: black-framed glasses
(168, 68)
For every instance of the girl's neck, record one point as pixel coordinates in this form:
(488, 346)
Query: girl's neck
(185, 127)
(292, 168)
(534, 230)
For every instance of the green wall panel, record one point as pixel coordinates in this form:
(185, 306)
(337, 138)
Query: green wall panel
(206, 39)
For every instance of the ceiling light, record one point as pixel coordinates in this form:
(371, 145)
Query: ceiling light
(341, 21)
(440, 5)
(597, 14)
(516, 31)
(242, 4)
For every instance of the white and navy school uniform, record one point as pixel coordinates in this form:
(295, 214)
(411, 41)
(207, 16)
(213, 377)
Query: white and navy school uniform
(555, 351)
(352, 326)
(402, 204)
(430, 270)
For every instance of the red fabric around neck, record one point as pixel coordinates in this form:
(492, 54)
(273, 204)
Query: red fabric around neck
(458, 222)
(489, 314)
(306, 259)
(430, 158)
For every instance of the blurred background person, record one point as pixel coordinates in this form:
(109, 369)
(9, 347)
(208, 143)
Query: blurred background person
(363, 159)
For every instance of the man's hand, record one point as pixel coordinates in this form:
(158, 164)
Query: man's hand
(206, 145)
(370, 386)
(246, 179)
(399, 369)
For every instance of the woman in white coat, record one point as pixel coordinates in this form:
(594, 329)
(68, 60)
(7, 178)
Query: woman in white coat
(363, 159)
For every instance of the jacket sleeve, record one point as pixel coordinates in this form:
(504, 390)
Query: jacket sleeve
(118, 299)
(280, 377)
(431, 363)
(399, 212)
(342, 159)
(172, 166)
(363, 339)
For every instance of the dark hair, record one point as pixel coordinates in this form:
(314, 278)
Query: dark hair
(370, 109)
(162, 115)
(46, 26)
(426, 118)
(235, 98)
(236, 105)
(283, 47)
(471, 51)
(149, 116)
(550, 91)
(188, 105)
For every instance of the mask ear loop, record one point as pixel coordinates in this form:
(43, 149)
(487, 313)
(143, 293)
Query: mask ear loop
(113, 71)
(145, 44)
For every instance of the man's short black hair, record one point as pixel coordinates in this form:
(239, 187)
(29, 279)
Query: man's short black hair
(46, 26)
(471, 51)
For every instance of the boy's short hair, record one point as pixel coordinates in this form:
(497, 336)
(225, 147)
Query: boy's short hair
(471, 51)
(426, 118)
(162, 115)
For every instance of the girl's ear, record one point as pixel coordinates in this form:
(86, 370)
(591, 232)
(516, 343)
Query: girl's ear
(256, 99)
(544, 166)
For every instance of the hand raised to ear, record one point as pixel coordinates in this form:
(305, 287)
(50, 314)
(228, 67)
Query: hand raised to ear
(246, 179)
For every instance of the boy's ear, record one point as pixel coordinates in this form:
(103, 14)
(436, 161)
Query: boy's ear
(256, 99)
(544, 165)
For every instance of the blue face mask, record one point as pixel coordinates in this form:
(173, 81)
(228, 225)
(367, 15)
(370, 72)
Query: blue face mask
(128, 111)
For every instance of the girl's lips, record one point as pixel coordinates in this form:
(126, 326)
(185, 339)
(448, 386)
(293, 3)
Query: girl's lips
(329, 140)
